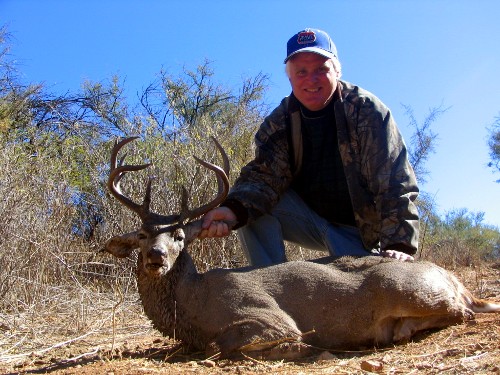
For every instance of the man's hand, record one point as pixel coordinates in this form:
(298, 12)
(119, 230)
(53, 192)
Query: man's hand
(217, 223)
(397, 255)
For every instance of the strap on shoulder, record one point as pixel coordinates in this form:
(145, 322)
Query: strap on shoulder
(294, 133)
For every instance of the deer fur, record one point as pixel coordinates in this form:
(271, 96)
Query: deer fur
(342, 303)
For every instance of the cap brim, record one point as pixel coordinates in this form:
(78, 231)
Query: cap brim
(319, 51)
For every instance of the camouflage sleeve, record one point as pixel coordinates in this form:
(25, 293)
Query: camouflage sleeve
(390, 178)
(263, 180)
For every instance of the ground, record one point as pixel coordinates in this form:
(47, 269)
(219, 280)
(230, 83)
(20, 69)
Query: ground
(133, 347)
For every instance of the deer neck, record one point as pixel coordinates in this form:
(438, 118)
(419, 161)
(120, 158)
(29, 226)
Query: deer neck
(158, 295)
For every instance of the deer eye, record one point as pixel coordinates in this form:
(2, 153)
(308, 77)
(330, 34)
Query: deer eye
(178, 235)
(141, 236)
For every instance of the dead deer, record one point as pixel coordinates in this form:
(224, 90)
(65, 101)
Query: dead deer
(341, 303)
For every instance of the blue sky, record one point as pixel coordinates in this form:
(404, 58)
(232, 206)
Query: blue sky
(420, 53)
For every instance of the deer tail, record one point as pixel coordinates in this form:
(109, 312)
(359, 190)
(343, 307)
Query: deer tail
(482, 306)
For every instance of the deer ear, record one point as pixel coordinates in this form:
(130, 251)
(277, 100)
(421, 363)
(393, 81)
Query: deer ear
(122, 246)
(192, 230)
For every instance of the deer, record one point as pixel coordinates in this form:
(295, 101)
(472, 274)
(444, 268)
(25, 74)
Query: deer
(282, 311)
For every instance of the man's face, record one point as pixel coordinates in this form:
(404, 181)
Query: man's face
(313, 79)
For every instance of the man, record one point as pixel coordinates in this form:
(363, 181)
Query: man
(330, 170)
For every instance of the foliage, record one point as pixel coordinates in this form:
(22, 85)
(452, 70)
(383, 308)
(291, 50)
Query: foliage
(461, 238)
(423, 141)
(494, 145)
(177, 106)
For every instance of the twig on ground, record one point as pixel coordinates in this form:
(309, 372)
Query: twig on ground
(114, 316)
(42, 351)
(14, 346)
(255, 360)
(444, 351)
(474, 357)
(73, 359)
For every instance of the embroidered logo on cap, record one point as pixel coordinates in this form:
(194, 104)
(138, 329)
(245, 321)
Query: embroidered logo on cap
(306, 37)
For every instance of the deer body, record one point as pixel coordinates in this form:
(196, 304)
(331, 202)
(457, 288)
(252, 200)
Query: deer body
(343, 303)
(378, 302)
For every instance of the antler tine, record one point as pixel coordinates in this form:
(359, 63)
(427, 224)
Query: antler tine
(223, 190)
(222, 183)
(225, 159)
(117, 171)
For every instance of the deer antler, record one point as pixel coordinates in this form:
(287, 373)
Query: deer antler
(118, 170)
(222, 183)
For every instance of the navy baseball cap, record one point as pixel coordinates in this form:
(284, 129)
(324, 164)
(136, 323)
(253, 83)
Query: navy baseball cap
(311, 40)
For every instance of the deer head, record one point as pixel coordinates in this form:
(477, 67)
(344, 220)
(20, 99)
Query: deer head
(161, 238)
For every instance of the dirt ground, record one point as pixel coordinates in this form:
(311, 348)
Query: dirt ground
(133, 347)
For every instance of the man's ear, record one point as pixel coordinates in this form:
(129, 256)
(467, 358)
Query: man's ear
(122, 246)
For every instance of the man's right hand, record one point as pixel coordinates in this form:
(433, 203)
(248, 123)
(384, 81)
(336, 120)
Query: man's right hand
(217, 223)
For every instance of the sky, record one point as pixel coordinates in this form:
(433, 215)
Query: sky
(422, 53)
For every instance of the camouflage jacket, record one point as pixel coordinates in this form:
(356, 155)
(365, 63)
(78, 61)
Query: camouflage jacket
(381, 181)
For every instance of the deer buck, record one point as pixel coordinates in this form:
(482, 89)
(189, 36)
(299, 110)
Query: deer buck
(281, 311)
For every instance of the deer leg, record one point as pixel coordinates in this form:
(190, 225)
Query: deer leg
(290, 351)
(253, 335)
(406, 327)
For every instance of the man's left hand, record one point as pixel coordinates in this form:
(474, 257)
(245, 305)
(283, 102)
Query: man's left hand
(397, 255)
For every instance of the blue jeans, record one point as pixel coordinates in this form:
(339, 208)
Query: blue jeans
(292, 220)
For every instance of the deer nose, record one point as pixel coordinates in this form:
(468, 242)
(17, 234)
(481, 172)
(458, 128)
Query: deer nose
(155, 255)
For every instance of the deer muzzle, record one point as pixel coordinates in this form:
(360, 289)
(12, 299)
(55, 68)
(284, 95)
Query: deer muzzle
(155, 259)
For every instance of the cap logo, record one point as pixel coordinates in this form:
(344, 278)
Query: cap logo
(306, 37)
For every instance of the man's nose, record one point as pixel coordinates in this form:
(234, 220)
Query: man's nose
(313, 77)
